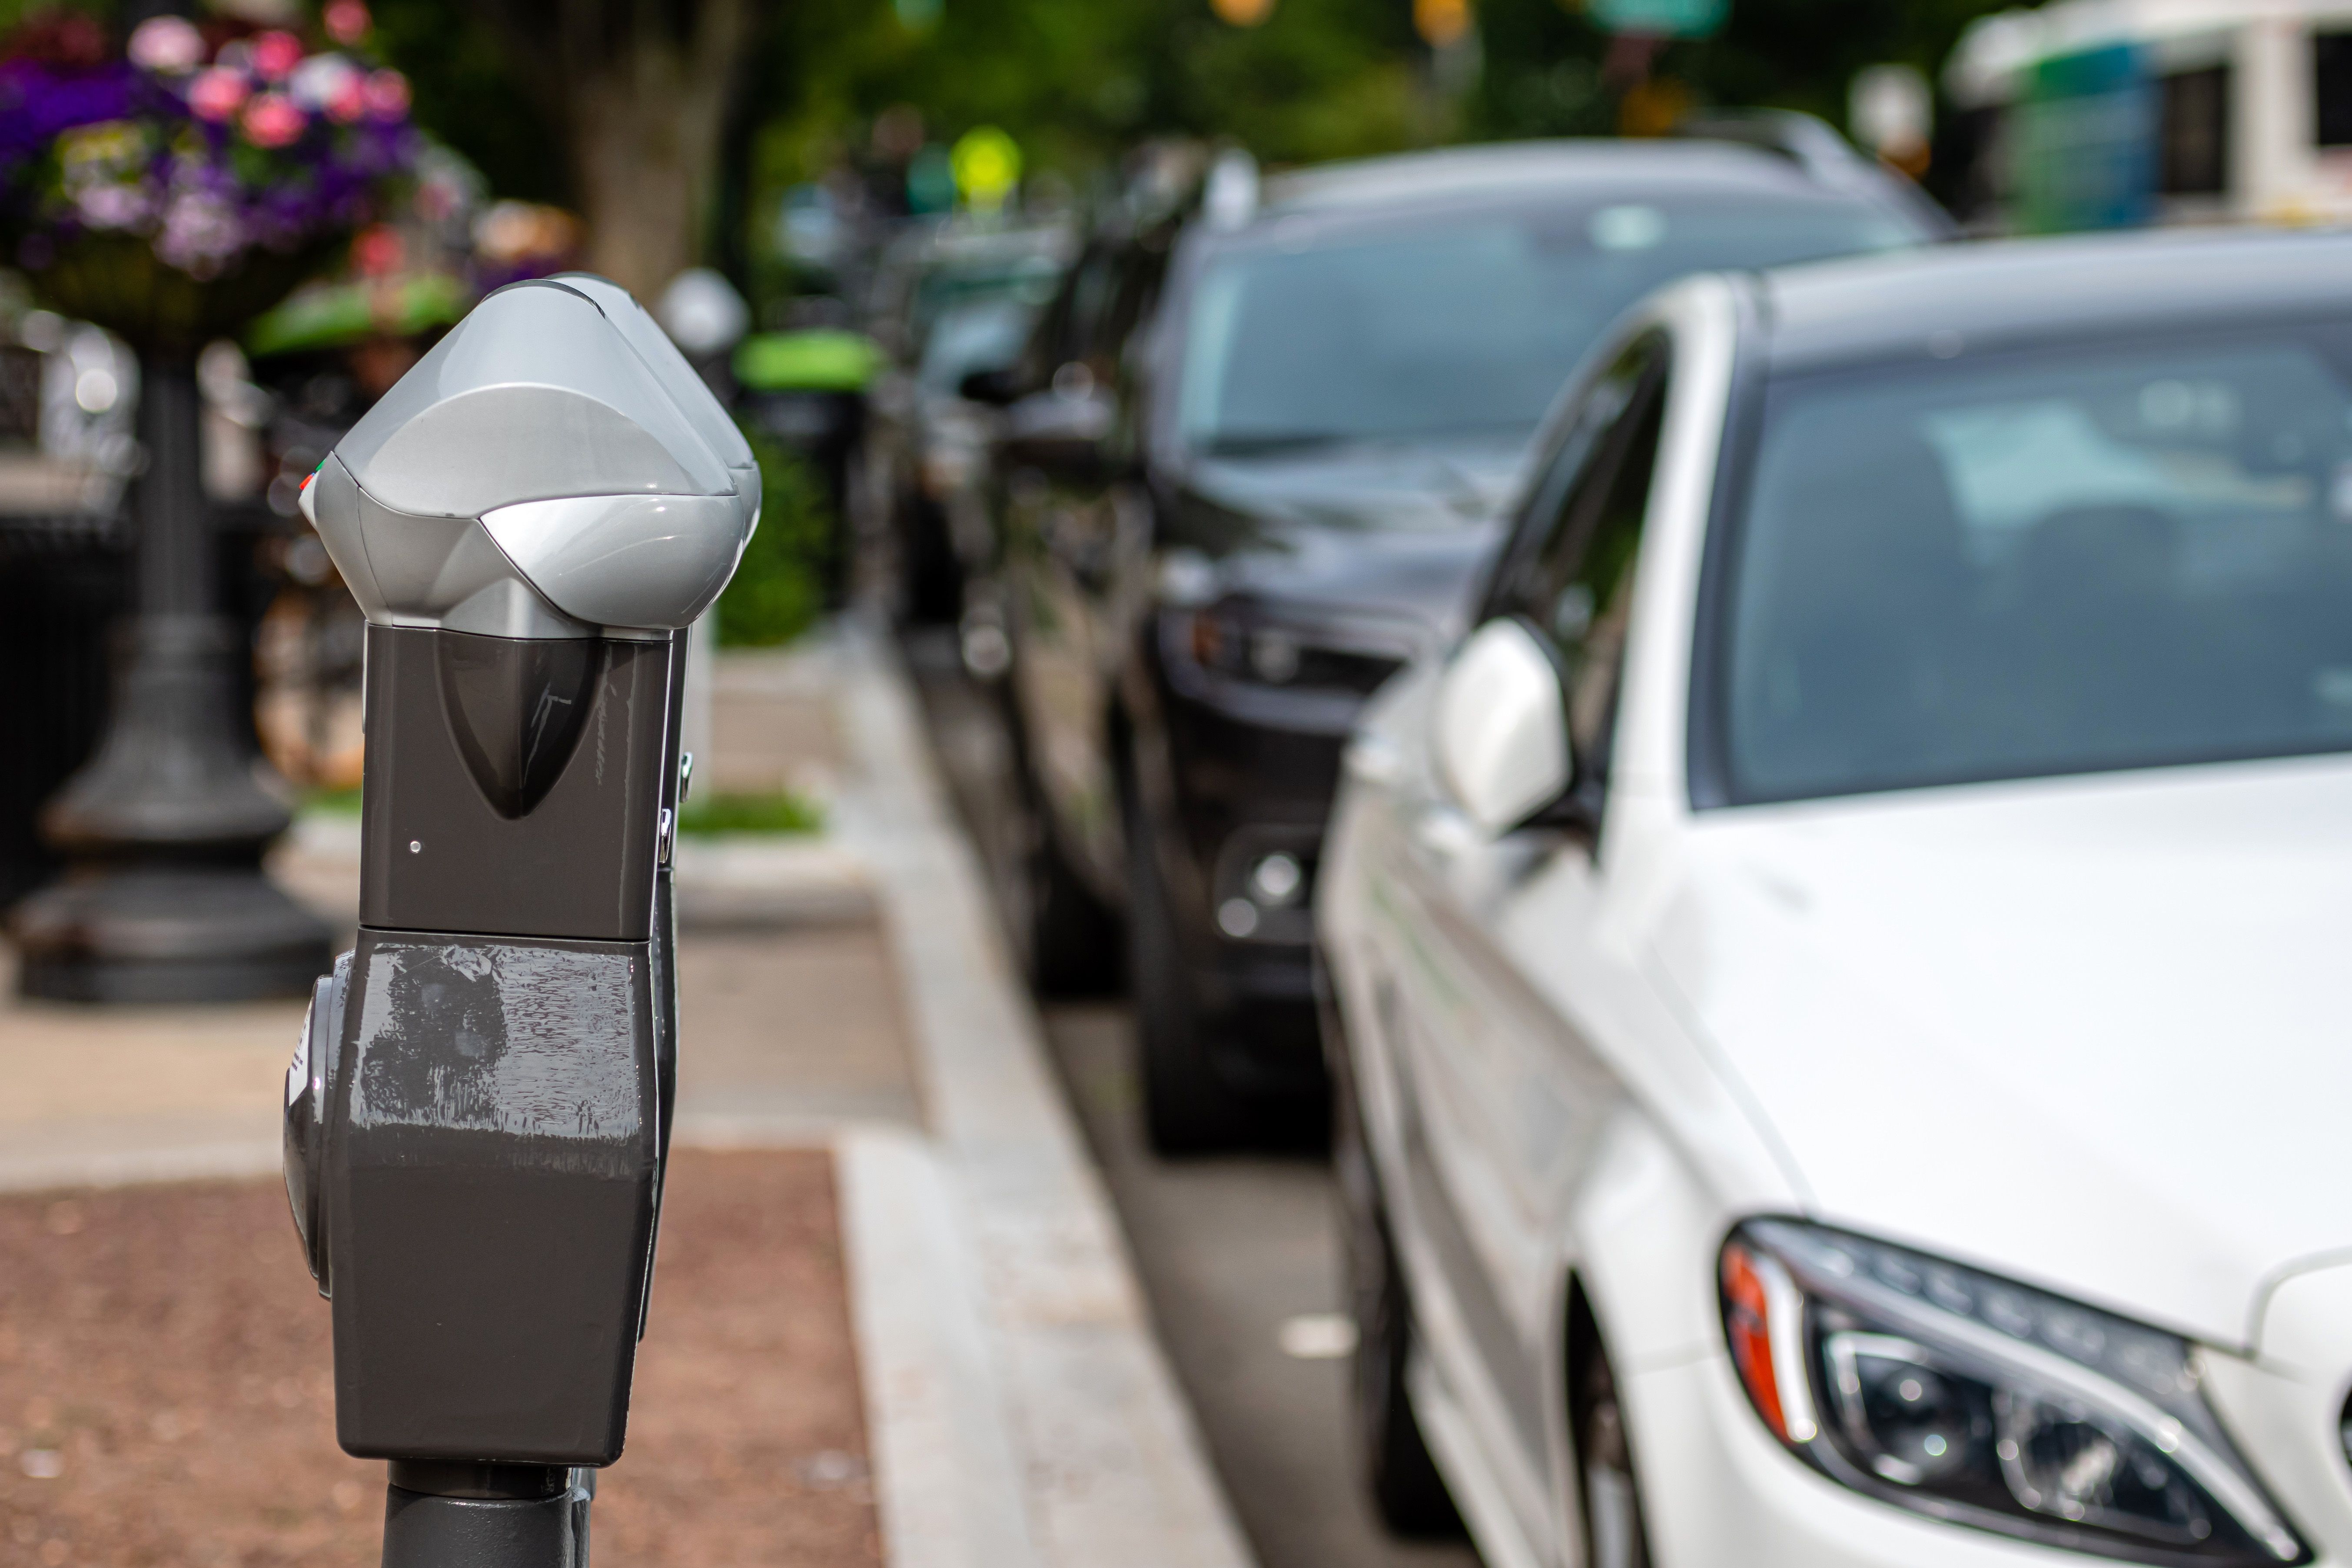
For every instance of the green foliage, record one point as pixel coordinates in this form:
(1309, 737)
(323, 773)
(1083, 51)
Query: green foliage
(468, 93)
(785, 812)
(1076, 82)
(1542, 75)
(14, 11)
(778, 591)
(1803, 54)
(1544, 62)
(332, 802)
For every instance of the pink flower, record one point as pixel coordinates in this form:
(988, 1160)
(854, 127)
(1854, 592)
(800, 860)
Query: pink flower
(319, 80)
(214, 94)
(349, 100)
(273, 119)
(347, 21)
(378, 252)
(387, 94)
(168, 45)
(275, 54)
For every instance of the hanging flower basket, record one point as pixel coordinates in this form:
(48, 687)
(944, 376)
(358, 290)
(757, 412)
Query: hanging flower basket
(175, 191)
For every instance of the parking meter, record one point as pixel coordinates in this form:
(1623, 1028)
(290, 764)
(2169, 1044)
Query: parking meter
(478, 1117)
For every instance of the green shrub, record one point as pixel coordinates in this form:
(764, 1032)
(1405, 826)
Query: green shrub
(779, 589)
(785, 812)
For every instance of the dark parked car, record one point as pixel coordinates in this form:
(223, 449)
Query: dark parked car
(950, 301)
(1249, 466)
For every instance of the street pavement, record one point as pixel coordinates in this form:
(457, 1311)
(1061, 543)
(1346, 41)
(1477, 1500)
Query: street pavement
(1236, 1255)
(847, 994)
(851, 993)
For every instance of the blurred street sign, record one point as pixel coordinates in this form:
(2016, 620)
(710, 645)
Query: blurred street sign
(930, 180)
(1661, 18)
(2088, 143)
(987, 166)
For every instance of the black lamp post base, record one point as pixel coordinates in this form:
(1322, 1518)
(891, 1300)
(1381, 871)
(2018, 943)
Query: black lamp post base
(149, 934)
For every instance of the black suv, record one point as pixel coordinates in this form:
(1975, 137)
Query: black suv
(1249, 465)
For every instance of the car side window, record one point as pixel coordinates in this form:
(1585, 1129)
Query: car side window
(1130, 302)
(1119, 355)
(1571, 572)
(1067, 329)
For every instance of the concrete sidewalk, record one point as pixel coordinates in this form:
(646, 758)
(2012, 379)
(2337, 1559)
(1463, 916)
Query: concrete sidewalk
(848, 991)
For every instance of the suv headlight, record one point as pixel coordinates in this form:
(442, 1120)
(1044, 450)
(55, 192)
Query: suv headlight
(1245, 640)
(1987, 1404)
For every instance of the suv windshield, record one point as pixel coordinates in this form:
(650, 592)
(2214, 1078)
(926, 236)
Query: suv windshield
(2049, 563)
(1468, 326)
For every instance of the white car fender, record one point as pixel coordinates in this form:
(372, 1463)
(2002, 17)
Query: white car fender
(1641, 1241)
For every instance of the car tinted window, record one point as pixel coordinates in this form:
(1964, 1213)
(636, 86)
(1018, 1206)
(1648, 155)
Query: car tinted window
(1029, 280)
(975, 337)
(1069, 326)
(1570, 570)
(1467, 325)
(2056, 562)
(1130, 302)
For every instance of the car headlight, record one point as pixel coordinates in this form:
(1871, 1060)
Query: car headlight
(1988, 1403)
(1244, 640)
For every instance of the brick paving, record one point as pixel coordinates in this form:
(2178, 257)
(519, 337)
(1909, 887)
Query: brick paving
(165, 1395)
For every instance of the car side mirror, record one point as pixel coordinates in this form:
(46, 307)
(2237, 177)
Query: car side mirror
(1064, 434)
(1501, 728)
(996, 388)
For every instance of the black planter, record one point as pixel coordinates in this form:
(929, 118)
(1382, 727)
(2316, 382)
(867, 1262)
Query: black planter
(164, 829)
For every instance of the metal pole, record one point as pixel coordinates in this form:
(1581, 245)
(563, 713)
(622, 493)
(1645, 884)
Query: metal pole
(472, 1515)
(164, 828)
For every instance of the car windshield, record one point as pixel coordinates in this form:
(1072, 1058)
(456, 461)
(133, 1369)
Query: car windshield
(1030, 280)
(1471, 325)
(984, 336)
(2043, 564)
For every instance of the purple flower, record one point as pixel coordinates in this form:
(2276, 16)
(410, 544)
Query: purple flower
(189, 158)
(114, 207)
(200, 234)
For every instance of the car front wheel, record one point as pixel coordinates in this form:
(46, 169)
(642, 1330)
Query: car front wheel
(1188, 1109)
(1613, 1533)
(1067, 939)
(1399, 1472)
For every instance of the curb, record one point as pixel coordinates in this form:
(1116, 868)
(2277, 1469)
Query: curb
(1020, 1407)
(227, 1159)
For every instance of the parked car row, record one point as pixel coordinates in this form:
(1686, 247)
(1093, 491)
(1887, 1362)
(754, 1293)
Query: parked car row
(948, 303)
(1786, 785)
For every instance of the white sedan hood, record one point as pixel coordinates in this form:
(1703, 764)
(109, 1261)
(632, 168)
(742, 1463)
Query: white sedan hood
(2095, 1034)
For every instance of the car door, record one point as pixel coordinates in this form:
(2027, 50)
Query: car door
(1504, 1095)
(1084, 528)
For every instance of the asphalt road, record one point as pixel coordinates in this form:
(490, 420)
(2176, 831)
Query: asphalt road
(1239, 1256)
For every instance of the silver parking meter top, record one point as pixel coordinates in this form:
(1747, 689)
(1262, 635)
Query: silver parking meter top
(553, 468)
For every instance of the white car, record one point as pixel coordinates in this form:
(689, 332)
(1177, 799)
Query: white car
(1840, 986)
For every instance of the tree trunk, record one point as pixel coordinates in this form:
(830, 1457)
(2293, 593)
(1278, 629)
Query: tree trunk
(641, 90)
